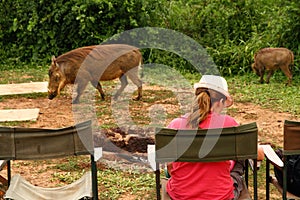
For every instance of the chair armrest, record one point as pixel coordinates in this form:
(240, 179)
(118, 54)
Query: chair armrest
(151, 156)
(3, 180)
(272, 156)
(2, 164)
(97, 153)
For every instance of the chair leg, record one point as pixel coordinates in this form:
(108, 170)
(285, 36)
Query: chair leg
(94, 178)
(267, 179)
(255, 178)
(157, 179)
(8, 172)
(158, 186)
(284, 188)
(246, 172)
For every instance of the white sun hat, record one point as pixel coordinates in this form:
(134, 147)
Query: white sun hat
(216, 83)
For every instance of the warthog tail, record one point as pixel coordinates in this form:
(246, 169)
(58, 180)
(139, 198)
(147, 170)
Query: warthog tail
(141, 73)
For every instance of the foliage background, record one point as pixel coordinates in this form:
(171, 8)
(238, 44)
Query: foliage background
(230, 30)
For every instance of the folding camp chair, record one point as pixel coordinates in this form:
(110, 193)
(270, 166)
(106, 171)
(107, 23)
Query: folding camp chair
(41, 144)
(291, 146)
(235, 143)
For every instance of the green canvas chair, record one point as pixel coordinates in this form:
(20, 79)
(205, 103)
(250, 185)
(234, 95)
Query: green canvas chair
(40, 144)
(205, 145)
(291, 146)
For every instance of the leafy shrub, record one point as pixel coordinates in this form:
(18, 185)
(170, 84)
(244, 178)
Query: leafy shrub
(230, 30)
(35, 30)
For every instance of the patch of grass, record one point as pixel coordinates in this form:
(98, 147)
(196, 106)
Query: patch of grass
(67, 178)
(24, 75)
(275, 95)
(163, 98)
(112, 183)
(167, 77)
(117, 183)
(17, 123)
(29, 96)
(10, 124)
(71, 164)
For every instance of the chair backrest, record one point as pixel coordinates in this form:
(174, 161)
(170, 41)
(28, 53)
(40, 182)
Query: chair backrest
(291, 135)
(205, 145)
(18, 143)
(37, 143)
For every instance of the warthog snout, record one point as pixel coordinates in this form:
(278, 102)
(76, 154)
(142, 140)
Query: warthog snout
(52, 95)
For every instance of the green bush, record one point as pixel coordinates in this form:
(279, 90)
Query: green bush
(230, 30)
(35, 30)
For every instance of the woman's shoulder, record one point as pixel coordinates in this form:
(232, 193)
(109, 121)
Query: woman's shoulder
(225, 119)
(230, 121)
(179, 123)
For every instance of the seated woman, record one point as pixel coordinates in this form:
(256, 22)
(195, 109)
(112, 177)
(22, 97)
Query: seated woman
(206, 180)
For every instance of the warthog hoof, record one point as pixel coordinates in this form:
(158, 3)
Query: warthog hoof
(51, 96)
(137, 98)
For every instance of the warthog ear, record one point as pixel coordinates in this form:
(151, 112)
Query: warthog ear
(53, 59)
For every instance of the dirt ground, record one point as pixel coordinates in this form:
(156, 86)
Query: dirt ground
(57, 113)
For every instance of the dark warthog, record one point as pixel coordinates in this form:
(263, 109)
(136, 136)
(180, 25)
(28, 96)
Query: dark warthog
(270, 59)
(94, 64)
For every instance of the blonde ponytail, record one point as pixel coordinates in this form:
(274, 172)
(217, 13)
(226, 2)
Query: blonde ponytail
(200, 108)
(201, 105)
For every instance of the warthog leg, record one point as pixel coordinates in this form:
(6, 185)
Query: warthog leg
(124, 83)
(271, 72)
(98, 86)
(80, 89)
(287, 71)
(133, 75)
(262, 73)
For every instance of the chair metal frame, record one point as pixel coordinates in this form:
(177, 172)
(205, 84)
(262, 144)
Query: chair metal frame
(234, 143)
(41, 144)
(291, 146)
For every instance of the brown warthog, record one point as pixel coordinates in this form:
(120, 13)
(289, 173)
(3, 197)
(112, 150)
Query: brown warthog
(271, 59)
(94, 64)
